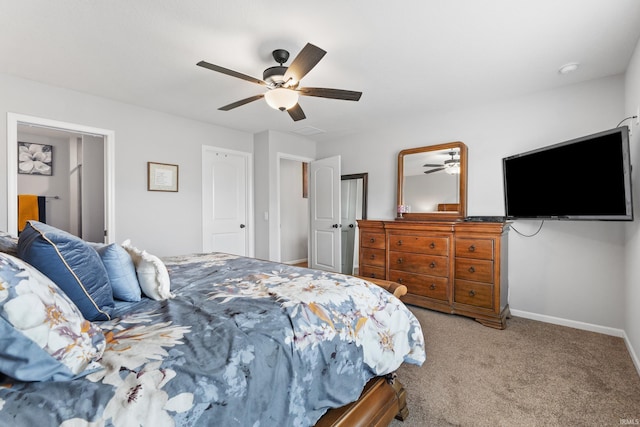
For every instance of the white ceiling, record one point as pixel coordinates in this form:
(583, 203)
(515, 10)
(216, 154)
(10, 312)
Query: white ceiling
(408, 58)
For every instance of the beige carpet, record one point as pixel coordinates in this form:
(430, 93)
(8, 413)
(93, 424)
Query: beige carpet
(530, 374)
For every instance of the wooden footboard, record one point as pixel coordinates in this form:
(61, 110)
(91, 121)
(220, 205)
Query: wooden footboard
(382, 399)
(395, 288)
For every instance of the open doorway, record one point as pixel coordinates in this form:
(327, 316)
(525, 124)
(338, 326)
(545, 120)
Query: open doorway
(78, 190)
(293, 212)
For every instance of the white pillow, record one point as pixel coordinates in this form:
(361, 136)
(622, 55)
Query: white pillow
(151, 271)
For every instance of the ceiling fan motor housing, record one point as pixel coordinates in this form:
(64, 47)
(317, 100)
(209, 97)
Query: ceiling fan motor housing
(280, 55)
(274, 76)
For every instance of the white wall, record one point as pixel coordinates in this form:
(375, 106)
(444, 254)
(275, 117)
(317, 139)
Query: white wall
(632, 288)
(571, 270)
(270, 147)
(162, 223)
(294, 213)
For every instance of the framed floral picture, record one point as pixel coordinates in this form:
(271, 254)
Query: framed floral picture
(35, 159)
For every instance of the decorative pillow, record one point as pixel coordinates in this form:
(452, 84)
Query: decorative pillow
(72, 264)
(43, 336)
(152, 273)
(8, 243)
(121, 271)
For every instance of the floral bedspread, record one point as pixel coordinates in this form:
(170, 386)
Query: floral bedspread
(244, 342)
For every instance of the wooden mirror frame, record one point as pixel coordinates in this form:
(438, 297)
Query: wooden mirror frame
(459, 214)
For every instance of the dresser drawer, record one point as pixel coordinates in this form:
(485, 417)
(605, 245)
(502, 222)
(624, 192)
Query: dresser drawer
(474, 248)
(373, 257)
(372, 272)
(419, 263)
(479, 270)
(422, 284)
(473, 293)
(432, 245)
(372, 240)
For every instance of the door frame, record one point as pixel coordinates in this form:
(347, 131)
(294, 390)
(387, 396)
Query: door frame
(248, 157)
(275, 234)
(13, 120)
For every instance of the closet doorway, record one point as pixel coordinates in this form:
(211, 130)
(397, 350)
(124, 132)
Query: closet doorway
(77, 192)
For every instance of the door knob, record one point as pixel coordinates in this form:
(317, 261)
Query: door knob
(242, 226)
(351, 226)
(337, 225)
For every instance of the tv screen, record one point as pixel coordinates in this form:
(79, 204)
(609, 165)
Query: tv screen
(587, 178)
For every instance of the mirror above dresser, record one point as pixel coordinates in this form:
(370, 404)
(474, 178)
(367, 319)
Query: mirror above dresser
(432, 182)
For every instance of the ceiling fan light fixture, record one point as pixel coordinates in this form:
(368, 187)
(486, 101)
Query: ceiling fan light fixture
(281, 98)
(452, 167)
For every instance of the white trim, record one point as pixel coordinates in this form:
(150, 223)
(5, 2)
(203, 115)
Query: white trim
(275, 249)
(570, 323)
(13, 119)
(249, 196)
(632, 353)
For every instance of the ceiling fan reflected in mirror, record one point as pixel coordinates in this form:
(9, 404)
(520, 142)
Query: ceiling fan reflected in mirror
(450, 166)
(283, 82)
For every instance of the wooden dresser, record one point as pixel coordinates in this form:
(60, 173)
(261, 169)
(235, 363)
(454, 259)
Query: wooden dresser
(451, 266)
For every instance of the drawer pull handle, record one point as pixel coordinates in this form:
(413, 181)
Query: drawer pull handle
(472, 248)
(399, 260)
(432, 287)
(472, 270)
(399, 242)
(372, 240)
(373, 275)
(432, 245)
(432, 265)
(400, 280)
(472, 293)
(372, 256)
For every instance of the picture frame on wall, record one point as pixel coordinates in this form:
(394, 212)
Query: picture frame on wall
(162, 177)
(35, 159)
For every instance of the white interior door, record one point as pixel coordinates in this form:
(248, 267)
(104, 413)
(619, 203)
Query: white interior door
(225, 202)
(324, 208)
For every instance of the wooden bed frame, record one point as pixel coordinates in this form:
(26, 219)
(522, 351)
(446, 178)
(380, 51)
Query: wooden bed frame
(383, 398)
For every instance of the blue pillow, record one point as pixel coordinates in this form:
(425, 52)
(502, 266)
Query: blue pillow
(71, 264)
(43, 336)
(121, 271)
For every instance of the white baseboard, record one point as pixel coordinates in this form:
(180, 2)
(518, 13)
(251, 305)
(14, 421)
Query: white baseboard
(632, 353)
(296, 261)
(584, 326)
(570, 323)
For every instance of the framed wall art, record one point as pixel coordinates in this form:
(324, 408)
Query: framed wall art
(162, 177)
(35, 159)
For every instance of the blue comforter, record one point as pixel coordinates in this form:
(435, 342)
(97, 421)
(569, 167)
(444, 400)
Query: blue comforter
(244, 342)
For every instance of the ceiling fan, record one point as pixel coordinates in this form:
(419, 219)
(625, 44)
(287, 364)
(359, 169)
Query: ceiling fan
(282, 82)
(450, 166)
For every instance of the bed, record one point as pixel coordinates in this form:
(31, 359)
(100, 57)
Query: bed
(237, 342)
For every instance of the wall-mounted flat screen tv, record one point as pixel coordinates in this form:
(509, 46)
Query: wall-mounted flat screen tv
(587, 178)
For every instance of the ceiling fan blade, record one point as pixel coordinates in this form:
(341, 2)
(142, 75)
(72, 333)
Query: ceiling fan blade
(241, 102)
(231, 73)
(347, 95)
(308, 57)
(296, 113)
(435, 170)
(430, 165)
